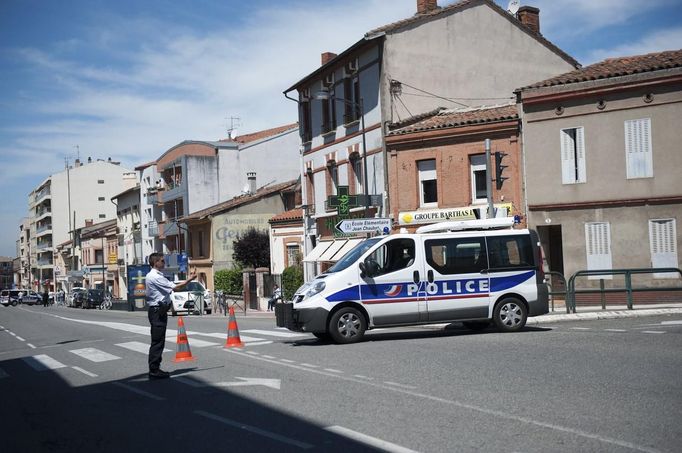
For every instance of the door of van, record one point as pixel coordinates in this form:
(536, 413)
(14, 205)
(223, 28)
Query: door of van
(456, 276)
(392, 289)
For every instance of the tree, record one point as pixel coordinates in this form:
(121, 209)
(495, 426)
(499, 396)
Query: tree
(252, 248)
(292, 279)
(229, 280)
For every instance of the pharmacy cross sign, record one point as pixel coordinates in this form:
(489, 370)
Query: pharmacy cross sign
(342, 201)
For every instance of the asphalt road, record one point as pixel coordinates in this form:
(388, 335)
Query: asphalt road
(75, 380)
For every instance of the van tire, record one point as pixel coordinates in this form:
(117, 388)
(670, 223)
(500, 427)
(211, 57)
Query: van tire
(476, 326)
(347, 326)
(510, 315)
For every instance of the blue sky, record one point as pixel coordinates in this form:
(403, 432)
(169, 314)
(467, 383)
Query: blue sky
(128, 79)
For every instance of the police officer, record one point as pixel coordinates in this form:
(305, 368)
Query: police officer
(158, 289)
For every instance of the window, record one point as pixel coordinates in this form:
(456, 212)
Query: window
(598, 244)
(510, 251)
(479, 186)
(393, 256)
(102, 216)
(351, 93)
(100, 181)
(428, 185)
(329, 112)
(333, 178)
(310, 190)
(357, 172)
(306, 128)
(573, 156)
(638, 149)
(663, 245)
(293, 254)
(457, 256)
(100, 198)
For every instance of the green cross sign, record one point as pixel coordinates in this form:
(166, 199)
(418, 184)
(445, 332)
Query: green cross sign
(342, 201)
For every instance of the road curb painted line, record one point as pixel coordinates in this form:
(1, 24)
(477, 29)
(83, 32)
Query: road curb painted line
(255, 430)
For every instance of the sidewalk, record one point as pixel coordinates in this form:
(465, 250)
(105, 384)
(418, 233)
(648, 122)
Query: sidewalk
(592, 312)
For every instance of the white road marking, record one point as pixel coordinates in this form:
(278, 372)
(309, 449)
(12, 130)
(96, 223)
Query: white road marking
(652, 331)
(360, 376)
(397, 384)
(138, 391)
(255, 430)
(287, 361)
(259, 343)
(42, 362)
(310, 365)
(85, 372)
(30, 346)
(192, 341)
(581, 328)
(19, 338)
(3, 374)
(368, 440)
(332, 370)
(615, 330)
(493, 412)
(671, 323)
(243, 382)
(94, 355)
(12, 333)
(273, 333)
(253, 352)
(137, 346)
(268, 356)
(222, 336)
(189, 382)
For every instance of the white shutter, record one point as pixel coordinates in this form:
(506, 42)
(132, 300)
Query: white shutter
(638, 155)
(663, 244)
(567, 158)
(580, 145)
(598, 247)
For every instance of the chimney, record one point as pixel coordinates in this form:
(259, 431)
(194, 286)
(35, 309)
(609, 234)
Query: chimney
(251, 177)
(88, 222)
(426, 6)
(327, 57)
(530, 17)
(89, 159)
(77, 163)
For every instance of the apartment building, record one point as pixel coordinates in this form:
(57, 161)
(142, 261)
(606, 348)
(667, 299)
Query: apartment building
(62, 203)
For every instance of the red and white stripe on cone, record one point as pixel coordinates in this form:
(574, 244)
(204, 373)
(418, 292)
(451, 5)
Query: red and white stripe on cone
(233, 340)
(184, 353)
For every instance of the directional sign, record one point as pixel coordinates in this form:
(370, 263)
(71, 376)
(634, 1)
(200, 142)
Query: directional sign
(364, 225)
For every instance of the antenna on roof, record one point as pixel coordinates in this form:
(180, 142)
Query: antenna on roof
(235, 123)
(513, 6)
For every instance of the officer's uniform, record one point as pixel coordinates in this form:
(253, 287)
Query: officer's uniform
(158, 289)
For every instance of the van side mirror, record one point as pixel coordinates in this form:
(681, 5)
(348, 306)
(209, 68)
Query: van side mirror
(363, 269)
(369, 268)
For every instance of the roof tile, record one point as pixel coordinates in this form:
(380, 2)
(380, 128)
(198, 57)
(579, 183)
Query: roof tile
(445, 118)
(292, 214)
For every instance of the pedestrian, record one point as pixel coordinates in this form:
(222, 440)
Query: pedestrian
(46, 298)
(158, 289)
(276, 294)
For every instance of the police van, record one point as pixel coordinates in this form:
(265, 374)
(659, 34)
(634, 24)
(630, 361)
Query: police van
(479, 272)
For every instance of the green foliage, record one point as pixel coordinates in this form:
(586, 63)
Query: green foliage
(252, 248)
(292, 279)
(230, 281)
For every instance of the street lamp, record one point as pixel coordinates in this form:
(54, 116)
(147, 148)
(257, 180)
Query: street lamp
(323, 95)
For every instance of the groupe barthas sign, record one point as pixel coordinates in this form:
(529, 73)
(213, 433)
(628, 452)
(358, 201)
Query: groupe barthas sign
(351, 226)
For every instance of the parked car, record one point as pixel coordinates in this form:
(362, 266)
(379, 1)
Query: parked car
(191, 295)
(91, 298)
(32, 298)
(10, 297)
(73, 296)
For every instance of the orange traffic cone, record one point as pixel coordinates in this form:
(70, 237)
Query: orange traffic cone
(183, 353)
(233, 340)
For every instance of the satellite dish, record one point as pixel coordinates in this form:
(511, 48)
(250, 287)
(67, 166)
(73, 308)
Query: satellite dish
(513, 6)
(246, 189)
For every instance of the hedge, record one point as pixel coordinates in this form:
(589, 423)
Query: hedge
(229, 281)
(292, 279)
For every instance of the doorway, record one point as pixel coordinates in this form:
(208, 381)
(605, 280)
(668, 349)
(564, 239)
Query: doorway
(552, 245)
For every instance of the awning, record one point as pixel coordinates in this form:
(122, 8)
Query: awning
(331, 251)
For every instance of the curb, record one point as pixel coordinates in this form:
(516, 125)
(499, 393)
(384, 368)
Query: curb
(594, 315)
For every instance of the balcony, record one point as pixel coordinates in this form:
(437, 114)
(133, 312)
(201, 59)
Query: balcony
(168, 229)
(42, 230)
(154, 195)
(153, 229)
(42, 195)
(42, 213)
(44, 247)
(44, 263)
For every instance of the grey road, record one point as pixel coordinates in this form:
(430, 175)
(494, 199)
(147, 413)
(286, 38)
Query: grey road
(74, 380)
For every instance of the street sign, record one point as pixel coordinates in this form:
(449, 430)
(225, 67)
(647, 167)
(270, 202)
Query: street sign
(381, 225)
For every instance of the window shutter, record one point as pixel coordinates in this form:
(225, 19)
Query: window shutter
(638, 154)
(598, 247)
(580, 148)
(567, 158)
(663, 244)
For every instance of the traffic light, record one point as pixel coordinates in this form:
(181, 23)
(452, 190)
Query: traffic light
(499, 168)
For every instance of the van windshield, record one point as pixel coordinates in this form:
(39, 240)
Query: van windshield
(352, 256)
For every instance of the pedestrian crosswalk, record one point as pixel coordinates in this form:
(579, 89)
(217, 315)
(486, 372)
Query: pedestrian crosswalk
(94, 355)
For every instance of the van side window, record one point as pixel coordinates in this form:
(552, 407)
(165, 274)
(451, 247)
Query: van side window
(394, 255)
(510, 251)
(457, 256)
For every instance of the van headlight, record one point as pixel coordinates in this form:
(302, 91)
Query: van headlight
(315, 288)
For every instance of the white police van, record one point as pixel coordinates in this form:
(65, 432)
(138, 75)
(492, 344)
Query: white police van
(477, 272)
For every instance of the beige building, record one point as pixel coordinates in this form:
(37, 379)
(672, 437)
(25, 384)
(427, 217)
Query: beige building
(602, 164)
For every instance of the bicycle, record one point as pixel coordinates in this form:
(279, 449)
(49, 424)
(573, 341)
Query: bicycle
(106, 305)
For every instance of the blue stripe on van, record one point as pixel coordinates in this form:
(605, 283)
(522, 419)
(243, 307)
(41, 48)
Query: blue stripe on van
(498, 284)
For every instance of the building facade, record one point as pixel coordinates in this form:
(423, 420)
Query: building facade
(129, 238)
(344, 104)
(437, 166)
(286, 240)
(602, 162)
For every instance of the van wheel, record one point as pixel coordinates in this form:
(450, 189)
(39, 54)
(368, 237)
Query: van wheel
(14, 303)
(510, 315)
(347, 326)
(476, 325)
